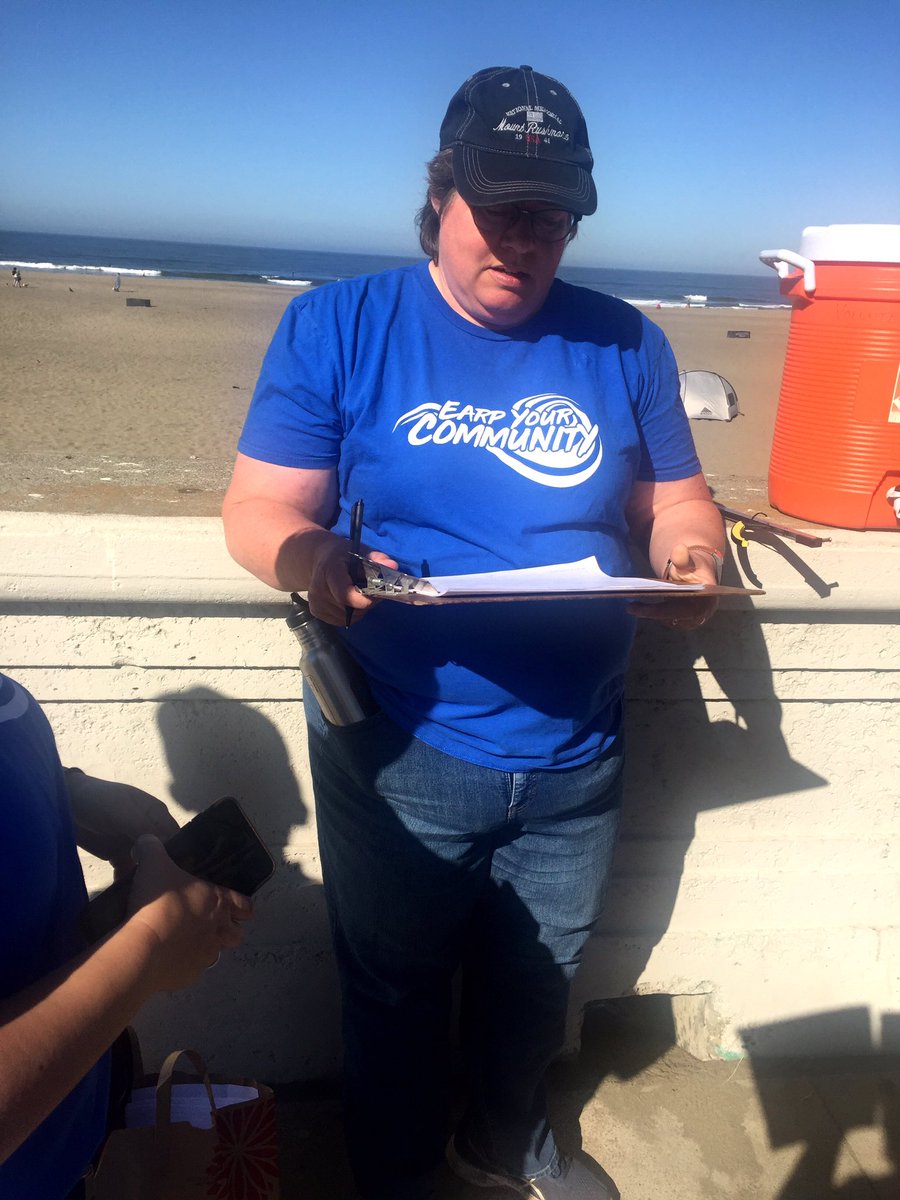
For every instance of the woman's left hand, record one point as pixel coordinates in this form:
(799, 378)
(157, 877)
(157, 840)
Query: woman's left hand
(682, 613)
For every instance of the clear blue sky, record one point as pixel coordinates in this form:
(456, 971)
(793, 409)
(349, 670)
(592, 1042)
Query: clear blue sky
(719, 128)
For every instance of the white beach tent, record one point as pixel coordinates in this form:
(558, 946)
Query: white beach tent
(707, 396)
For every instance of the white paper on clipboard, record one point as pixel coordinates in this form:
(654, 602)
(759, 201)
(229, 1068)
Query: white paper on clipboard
(582, 576)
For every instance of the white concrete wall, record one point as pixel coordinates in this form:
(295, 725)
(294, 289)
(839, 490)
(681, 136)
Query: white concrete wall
(757, 870)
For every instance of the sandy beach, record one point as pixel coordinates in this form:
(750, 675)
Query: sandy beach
(114, 407)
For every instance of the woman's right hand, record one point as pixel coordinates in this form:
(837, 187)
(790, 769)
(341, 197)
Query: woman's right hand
(191, 921)
(331, 590)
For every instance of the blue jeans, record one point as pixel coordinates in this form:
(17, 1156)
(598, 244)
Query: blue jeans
(430, 862)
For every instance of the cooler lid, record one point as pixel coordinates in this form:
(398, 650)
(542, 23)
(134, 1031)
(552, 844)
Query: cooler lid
(851, 243)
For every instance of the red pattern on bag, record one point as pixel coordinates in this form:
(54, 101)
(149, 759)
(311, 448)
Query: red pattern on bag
(245, 1164)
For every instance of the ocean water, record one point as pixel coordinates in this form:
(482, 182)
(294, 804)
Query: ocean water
(259, 264)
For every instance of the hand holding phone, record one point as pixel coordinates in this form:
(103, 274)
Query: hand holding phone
(219, 845)
(192, 922)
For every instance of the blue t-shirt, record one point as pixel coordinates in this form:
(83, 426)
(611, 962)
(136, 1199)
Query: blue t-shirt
(42, 893)
(476, 450)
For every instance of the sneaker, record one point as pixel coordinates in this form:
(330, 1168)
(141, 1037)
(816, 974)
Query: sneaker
(568, 1180)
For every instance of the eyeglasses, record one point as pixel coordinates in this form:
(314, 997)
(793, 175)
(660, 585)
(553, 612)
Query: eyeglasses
(545, 224)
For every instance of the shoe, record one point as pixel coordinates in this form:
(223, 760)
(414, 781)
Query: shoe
(568, 1180)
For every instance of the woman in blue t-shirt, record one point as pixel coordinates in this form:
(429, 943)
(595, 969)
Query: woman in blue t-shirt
(492, 417)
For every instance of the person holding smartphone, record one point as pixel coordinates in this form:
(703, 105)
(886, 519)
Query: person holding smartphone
(63, 1005)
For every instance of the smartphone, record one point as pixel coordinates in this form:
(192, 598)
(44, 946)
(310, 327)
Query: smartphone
(219, 845)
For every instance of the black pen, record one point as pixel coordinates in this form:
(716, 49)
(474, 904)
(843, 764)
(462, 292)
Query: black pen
(356, 523)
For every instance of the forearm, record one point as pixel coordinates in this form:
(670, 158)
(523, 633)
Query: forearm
(54, 1032)
(275, 526)
(690, 523)
(274, 541)
(109, 817)
(668, 515)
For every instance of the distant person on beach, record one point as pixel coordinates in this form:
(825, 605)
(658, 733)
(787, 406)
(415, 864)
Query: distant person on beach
(64, 1006)
(17, 277)
(491, 416)
(118, 283)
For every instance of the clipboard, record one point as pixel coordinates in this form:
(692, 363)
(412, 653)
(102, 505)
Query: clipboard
(381, 582)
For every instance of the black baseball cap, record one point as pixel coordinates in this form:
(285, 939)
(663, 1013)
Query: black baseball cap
(518, 135)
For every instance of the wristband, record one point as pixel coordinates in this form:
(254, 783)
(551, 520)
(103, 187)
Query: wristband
(716, 555)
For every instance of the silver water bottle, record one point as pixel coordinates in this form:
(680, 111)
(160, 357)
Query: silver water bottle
(335, 677)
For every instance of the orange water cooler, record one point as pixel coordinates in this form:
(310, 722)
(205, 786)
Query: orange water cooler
(836, 447)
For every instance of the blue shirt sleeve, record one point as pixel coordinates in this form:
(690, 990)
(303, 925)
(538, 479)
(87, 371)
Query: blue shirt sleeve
(294, 417)
(667, 444)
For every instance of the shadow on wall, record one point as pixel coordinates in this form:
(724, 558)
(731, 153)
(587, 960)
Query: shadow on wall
(217, 747)
(859, 1093)
(841, 1113)
(680, 763)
